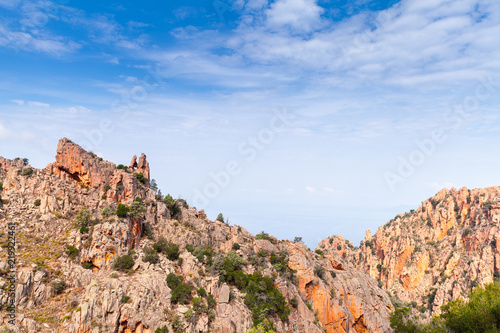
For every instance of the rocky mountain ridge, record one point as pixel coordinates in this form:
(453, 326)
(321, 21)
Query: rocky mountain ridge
(436, 253)
(98, 250)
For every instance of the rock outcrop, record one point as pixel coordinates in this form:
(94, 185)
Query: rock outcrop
(88, 170)
(85, 168)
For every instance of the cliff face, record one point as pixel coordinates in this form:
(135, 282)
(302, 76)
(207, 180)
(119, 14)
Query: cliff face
(54, 248)
(437, 253)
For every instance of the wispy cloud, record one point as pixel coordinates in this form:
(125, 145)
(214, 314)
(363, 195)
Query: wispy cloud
(35, 104)
(41, 42)
(310, 189)
(10, 4)
(17, 101)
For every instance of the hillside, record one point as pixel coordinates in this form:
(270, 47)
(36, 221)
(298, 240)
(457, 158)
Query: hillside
(433, 254)
(99, 250)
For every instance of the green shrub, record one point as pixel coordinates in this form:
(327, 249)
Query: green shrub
(108, 211)
(84, 229)
(150, 255)
(38, 202)
(321, 253)
(481, 314)
(297, 240)
(72, 251)
(163, 329)
(211, 302)
(294, 302)
(220, 217)
(172, 206)
(402, 321)
(466, 232)
(83, 217)
(236, 246)
(27, 172)
(172, 251)
(280, 263)
(263, 299)
(122, 210)
(319, 271)
(229, 267)
(261, 296)
(119, 186)
(1, 186)
(123, 263)
(58, 287)
(265, 236)
(120, 167)
(137, 209)
(87, 265)
(183, 202)
(125, 299)
(173, 280)
(264, 327)
(203, 253)
(181, 294)
(161, 245)
(153, 185)
(202, 292)
(147, 230)
(140, 177)
(177, 324)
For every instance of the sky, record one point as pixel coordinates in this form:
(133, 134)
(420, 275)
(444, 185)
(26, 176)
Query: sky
(301, 118)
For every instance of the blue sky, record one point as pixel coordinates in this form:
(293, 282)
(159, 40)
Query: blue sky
(297, 117)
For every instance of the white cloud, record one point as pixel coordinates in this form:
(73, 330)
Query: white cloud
(438, 186)
(17, 101)
(9, 4)
(412, 44)
(35, 104)
(135, 24)
(310, 189)
(328, 189)
(39, 42)
(298, 15)
(73, 111)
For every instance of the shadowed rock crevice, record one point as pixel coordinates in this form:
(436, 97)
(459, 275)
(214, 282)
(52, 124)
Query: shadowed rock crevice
(74, 176)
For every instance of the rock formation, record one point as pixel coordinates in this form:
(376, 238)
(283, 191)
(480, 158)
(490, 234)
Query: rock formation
(69, 235)
(436, 253)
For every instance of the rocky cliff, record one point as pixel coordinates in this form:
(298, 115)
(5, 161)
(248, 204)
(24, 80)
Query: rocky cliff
(436, 253)
(97, 250)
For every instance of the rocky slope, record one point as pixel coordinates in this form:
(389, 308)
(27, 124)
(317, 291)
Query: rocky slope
(433, 254)
(72, 230)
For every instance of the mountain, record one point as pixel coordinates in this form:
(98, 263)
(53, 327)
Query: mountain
(99, 249)
(434, 254)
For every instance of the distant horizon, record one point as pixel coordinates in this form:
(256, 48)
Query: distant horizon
(277, 223)
(304, 116)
